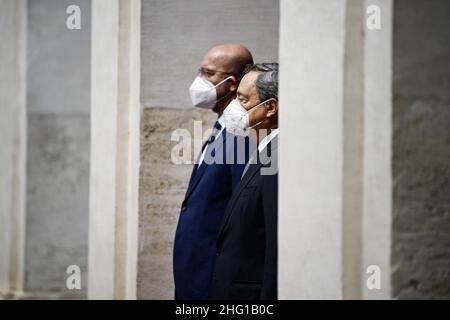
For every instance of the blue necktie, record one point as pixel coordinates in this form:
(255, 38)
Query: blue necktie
(216, 129)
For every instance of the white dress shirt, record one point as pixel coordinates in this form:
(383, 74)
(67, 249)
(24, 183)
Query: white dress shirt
(264, 142)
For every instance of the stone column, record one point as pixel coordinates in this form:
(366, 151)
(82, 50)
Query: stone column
(115, 116)
(377, 163)
(312, 43)
(13, 145)
(335, 177)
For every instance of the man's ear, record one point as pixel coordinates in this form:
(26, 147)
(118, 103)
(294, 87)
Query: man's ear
(234, 83)
(272, 108)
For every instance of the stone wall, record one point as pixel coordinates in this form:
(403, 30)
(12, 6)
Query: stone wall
(176, 34)
(58, 82)
(162, 188)
(421, 150)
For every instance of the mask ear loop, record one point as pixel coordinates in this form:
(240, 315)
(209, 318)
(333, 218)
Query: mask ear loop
(261, 104)
(226, 79)
(223, 81)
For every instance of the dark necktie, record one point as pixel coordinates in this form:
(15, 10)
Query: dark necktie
(216, 129)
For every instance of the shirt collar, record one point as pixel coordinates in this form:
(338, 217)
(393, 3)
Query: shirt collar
(221, 120)
(264, 142)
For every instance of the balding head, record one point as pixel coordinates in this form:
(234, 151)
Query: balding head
(229, 58)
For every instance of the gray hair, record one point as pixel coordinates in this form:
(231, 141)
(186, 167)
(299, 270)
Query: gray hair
(267, 79)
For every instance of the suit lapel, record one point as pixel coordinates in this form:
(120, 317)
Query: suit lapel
(248, 176)
(252, 170)
(198, 173)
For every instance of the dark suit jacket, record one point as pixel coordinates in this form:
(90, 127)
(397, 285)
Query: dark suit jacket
(202, 210)
(246, 257)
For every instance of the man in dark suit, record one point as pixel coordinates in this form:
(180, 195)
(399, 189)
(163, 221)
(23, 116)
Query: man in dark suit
(246, 257)
(217, 171)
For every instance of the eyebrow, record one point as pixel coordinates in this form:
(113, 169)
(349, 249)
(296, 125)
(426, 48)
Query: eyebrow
(241, 94)
(211, 69)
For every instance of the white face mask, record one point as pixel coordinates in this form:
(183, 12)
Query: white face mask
(203, 92)
(237, 118)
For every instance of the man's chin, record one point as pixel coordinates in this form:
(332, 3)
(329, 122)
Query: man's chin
(216, 109)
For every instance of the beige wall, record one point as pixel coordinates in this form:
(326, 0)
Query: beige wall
(162, 188)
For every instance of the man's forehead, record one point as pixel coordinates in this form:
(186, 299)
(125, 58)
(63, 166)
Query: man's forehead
(214, 60)
(247, 85)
